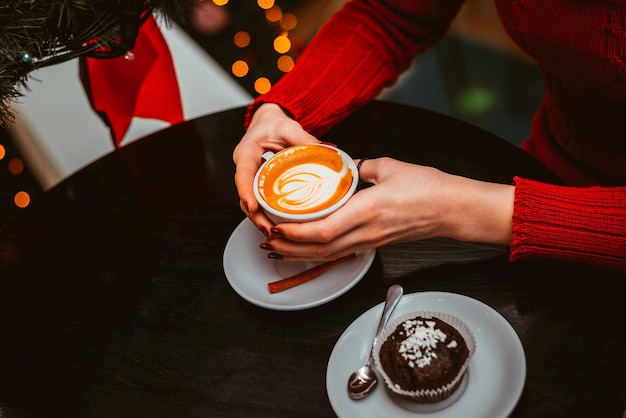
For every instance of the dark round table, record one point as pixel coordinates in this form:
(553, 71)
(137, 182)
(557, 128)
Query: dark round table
(114, 301)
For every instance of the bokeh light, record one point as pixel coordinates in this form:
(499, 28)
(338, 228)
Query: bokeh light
(285, 63)
(257, 61)
(21, 199)
(262, 85)
(288, 21)
(265, 4)
(282, 44)
(240, 68)
(242, 39)
(274, 14)
(475, 100)
(209, 19)
(3, 151)
(16, 166)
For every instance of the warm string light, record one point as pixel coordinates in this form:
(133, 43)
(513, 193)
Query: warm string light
(265, 4)
(288, 21)
(262, 85)
(21, 199)
(282, 44)
(273, 15)
(15, 166)
(240, 68)
(242, 39)
(285, 63)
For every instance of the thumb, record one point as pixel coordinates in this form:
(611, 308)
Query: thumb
(299, 136)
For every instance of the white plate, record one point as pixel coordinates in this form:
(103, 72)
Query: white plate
(497, 370)
(248, 271)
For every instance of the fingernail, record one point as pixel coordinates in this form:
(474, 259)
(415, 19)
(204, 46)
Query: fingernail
(277, 232)
(267, 246)
(276, 256)
(328, 143)
(264, 231)
(245, 205)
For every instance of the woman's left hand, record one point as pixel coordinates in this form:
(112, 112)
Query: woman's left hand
(407, 202)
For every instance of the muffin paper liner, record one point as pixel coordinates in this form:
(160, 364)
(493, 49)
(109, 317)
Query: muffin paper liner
(426, 395)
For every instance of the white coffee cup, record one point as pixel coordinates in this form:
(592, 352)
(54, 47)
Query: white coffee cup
(305, 182)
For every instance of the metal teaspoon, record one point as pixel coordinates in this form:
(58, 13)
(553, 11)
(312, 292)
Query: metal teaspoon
(363, 380)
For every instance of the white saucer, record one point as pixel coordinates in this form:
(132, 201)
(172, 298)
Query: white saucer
(497, 371)
(248, 271)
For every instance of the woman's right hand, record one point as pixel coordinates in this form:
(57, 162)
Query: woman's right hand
(270, 130)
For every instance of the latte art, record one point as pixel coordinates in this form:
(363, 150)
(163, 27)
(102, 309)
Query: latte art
(305, 179)
(307, 188)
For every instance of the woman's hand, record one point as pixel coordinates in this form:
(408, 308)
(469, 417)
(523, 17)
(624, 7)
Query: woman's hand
(407, 202)
(270, 130)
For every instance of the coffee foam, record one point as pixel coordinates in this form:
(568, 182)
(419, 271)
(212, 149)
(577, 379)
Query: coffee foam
(305, 181)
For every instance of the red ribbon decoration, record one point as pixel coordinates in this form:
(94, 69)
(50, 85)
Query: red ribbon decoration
(145, 86)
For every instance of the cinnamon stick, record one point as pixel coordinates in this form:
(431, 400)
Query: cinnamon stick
(305, 276)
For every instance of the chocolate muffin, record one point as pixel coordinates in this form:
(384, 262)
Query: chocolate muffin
(424, 356)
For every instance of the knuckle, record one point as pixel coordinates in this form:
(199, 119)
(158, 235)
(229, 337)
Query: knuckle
(321, 252)
(385, 161)
(326, 235)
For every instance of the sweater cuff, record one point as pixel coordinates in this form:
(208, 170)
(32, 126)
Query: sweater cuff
(580, 224)
(256, 104)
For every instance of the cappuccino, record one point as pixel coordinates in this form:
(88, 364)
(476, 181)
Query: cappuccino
(305, 179)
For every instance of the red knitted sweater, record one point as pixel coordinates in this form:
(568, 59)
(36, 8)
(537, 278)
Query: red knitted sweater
(578, 131)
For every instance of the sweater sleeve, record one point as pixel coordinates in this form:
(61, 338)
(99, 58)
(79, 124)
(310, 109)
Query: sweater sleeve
(580, 224)
(362, 49)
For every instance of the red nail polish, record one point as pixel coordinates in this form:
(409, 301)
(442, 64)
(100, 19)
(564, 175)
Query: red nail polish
(245, 205)
(277, 232)
(275, 256)
(267, 246)
(264, 231)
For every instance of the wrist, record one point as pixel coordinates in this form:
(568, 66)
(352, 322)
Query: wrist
(481, 212)
(269, 107)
